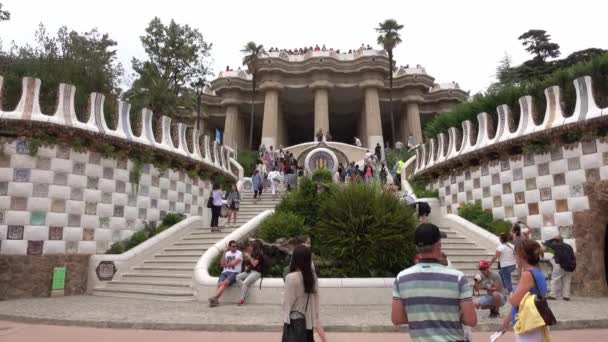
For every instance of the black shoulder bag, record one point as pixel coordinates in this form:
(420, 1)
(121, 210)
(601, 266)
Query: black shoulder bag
(543, 306)
(296, 330)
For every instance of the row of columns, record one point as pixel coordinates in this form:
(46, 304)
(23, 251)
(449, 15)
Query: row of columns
(274, 128)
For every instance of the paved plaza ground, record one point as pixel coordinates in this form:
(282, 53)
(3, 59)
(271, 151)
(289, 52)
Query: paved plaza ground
(19, 332)
(95, 311)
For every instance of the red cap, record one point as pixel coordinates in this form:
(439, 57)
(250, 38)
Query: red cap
(483, 264)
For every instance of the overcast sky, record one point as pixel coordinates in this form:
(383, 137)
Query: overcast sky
(458, 41)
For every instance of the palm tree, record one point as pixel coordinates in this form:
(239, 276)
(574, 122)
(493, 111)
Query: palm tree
(252, 53)
(389, 38)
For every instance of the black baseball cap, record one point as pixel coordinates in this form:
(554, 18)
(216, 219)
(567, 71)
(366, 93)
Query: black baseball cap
(427, 234)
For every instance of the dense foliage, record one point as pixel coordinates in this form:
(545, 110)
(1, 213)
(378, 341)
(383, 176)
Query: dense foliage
(305, 201)
(149, 231)
(597, 68)
(247, 160)
(365, 231)
(322, 176)
(419, 186)
(393, 155)
(281, 225)
(473, 213)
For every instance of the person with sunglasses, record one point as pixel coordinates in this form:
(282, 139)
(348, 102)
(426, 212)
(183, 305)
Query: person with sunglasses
(232, 262)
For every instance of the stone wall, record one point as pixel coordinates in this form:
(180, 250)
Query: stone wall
(31, 276)
(64, 201)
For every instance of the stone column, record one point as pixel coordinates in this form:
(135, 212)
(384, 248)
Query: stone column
(404, 129)
(231, 126)
(413, 121)
(271, 116)
(321, 110)
(362, 129)
(373, 123)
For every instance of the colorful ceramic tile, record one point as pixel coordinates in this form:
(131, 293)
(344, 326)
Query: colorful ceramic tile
(3, 188)
(142, 213)
(55, 233)
(90, 208)
(78, 168)
(592, 175)
(104, 222)
(38, 218)
(121, 187)
(130, 224)
(43, 163)
(566, 232)
(88, 234)
(61, 178)
(495, 179)
(486, 191)
(497, 200)
(73, 220)
(71, 247)
(589, 147)
(34, 247)
(535, 233)
(106, 197)
(63, 152)
(92, 183)
(574, 163)
(76, 194)
(531, 184)
(543, 169)
(559, 179)
(119, 211)
(561, 205)
(557, 153)
(122, 163)
(94, 158)
(528, 159)
(506, 188)
(532, 208)
(14, 233)
(577, 190)
(21, 175)
(108, 173)
(518, 174)
(504, 165)
(18, 203)
(22, 147)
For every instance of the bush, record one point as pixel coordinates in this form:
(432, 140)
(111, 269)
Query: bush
(475, 214)
(322, 176)
(247, 160)
(149, 231)
(419, 187)
(305, 200)
(393, 155)
(281, 225)
(365, 231)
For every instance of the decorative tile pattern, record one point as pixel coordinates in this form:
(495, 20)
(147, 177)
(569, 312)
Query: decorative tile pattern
(180, 195)
(90, 208)
(21, 175)
(132, 200)
(60, 178)
(486, 191)
(592, 175)
(122, 164)
(574, 163)
(543, 169)
(448, 191)
(535, 233)
(172, 204)
(155, 181)
(565, 232)
(518, 174)
(173, 184)
(63, 152)
(40, 190)
(561, 205)
(485, 170)
(119, 211)
(153, 203)
(76, 194)
(55, 233)
(22, 147)
(3, 188)
(605, 158)
(88, 234)
(43, 163)
(509, 212)
(92, 183)
(532, 208)
(144, 190)
(71, 247)
(577, 190)
(143, 213)
(495, 179)
(14, 233)
(531, 184)
(104, 222)
(548, 220)
(504, 165)
(34, 247)
(559, 179)
(121, 187)
(79, 168)
(589, 147)
(73, 220)
(557, 153)
(106, 197)
(38, 218)
(467, 176)
(506, 188)
(18, 203)
(497, 200)
(545, 194)
(528, 159)
(1, 217)
(94, 158)
(108, 173)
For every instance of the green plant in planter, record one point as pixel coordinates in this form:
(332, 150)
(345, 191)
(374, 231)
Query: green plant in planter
(473, 213)
(419, 186)
(281, 225)
(322, 176)
(369, 231)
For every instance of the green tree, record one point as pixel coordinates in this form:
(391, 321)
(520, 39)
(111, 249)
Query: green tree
(252, 53)
(4, 15)
(177, 58)
(538, 43)
(389, 38)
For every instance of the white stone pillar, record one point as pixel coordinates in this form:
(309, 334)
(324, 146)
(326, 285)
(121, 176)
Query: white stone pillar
(373, 123)
(403, 124)
(413, 121)
(321, 110)
(270, 123)
(231, 126)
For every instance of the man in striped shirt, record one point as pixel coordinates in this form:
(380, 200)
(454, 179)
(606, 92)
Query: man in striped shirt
(434, 300)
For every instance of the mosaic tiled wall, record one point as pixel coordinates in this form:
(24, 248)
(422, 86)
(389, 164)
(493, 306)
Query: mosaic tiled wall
(64, 201)
(542, 190)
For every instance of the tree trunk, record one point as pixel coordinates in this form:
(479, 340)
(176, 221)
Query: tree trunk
(390, 96)
(252, 111)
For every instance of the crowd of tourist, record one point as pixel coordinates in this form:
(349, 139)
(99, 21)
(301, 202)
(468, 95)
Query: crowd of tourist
(304, 50)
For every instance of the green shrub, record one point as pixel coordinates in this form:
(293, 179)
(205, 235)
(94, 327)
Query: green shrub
(365, 231)
(149, 231)
(419, 187)
(322, 176)
(247, 160)
(393, 155)
(215, 269)
(281, 225)
(117, 247)
(135, 239)
(305, 200)
(473, 213)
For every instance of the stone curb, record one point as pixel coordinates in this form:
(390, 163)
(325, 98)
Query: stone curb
(482, 327)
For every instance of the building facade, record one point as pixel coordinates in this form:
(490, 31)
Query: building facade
(344, 94)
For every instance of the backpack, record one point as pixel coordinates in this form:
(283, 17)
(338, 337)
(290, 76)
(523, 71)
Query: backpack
(564, 256)
(383, 174)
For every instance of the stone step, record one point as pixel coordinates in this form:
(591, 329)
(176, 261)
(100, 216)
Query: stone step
(157, 269)
(457, 242)
(467, 252)
(205, 245)
(172, 262)
(185, 284)
(202, 239)
(469, 258)
(462, 249)
(167, 295)
(179, 253)
(174, 277)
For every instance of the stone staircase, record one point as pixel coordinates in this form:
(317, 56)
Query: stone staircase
(463, 254)
(167, 273)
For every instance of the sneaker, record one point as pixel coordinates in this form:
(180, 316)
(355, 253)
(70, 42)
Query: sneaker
(566, 299)
(551, 298)
(241, 302)
(494, 313)
(213, 302)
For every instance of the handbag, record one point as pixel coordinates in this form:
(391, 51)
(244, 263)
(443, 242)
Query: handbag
(210, 202)
(296, 330)
(543, 306)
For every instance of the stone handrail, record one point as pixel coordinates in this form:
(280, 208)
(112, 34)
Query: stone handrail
(29, 109)
(468, 142)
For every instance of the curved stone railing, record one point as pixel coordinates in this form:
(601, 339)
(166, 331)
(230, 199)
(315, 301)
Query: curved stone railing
(327, 53)
(469, 143)
(28, 109)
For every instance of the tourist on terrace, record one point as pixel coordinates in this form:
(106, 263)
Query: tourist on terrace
(383, 174)
(490, 282)
(564, 264)
(232, 262)
(447, 303)
(233, 197)
(323, 48)
(257, 184)
(317, 48)
(506, 261)
(253, 271)
(227, 67)
(378, 151)
(528, 255)
(216, 207)
(368, 173)
(357, 142)
(300, 297)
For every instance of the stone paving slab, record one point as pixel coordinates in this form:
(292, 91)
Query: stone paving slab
(112, 312)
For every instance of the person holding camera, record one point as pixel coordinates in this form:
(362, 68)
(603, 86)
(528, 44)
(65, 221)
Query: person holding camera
(489, 281)
(232, 262)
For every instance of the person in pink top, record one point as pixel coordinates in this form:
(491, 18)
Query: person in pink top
(368, 173)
